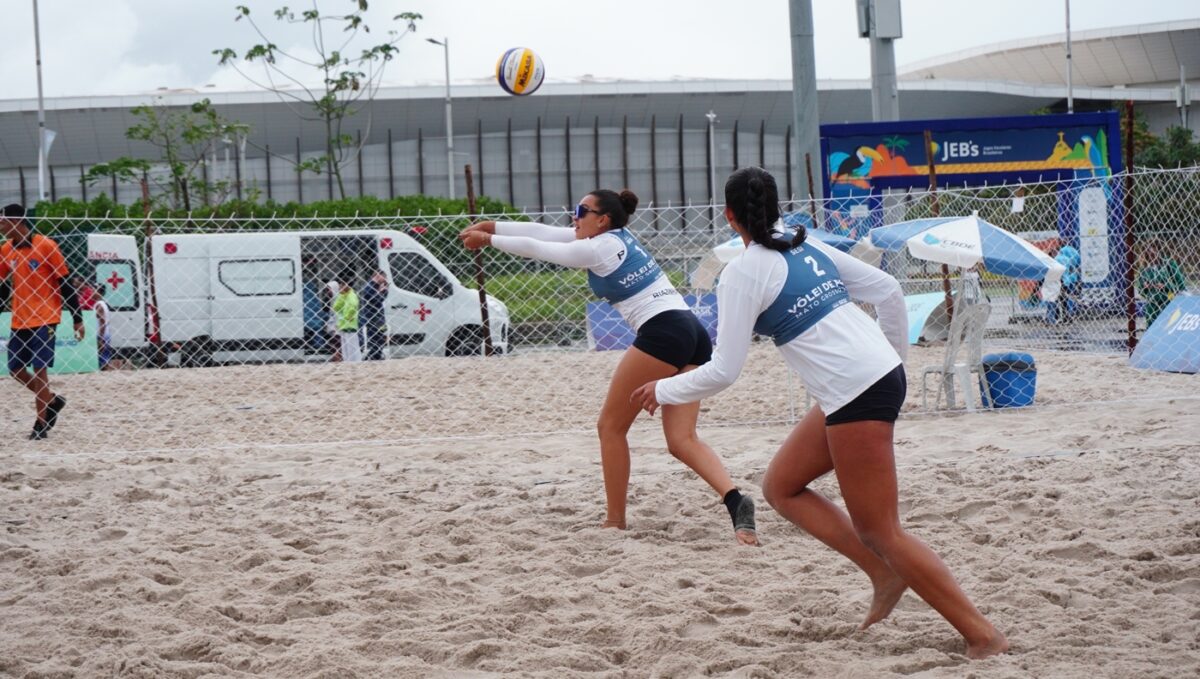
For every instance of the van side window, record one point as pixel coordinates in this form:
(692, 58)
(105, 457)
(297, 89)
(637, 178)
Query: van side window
(258, 277)
(412, 272)
(120, 283)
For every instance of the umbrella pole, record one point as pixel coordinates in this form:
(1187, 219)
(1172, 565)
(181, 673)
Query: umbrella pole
(937, 212)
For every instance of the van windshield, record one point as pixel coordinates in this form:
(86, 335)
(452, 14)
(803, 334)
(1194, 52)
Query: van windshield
(414, 273)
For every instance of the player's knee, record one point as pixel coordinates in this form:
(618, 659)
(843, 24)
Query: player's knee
(678, 444)
(774, 491)
(609, 426)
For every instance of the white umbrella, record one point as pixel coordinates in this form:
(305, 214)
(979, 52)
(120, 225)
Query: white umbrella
(969, 241)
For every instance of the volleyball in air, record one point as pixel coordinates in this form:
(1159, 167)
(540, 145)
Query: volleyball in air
(520, 71)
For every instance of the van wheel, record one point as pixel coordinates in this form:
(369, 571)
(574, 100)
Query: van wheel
(465, 341)
(196, 353)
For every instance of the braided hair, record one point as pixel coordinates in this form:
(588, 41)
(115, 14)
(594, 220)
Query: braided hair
(753, 197)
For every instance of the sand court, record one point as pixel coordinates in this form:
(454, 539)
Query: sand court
(334, 521)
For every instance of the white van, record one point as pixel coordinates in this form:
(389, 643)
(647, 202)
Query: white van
(252, 296)
(261, 296)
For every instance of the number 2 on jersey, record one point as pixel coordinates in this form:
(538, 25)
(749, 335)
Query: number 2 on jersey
(816, 269)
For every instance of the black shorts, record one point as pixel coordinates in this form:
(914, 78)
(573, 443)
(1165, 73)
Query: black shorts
(881, 401)
(31, 348)
(675, 337)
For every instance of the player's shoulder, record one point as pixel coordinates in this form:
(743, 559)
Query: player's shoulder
(44, 243)
(608, 239)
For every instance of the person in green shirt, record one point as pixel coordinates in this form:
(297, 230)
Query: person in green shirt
(1160, 279)
(345, 310)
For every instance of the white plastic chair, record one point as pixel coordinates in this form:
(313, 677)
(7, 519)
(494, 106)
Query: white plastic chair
(963, 359)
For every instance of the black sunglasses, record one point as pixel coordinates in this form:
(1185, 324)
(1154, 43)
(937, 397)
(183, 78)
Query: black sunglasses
(582, 211)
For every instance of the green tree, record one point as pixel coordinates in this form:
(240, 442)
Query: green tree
(346, 81)
(184, 139)
(1174, 148)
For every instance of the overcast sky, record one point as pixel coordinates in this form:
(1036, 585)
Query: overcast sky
(111, 47)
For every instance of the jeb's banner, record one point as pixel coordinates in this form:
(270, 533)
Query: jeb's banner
(607, 330)
(972, 150)
(70, 356)
(1172, 344)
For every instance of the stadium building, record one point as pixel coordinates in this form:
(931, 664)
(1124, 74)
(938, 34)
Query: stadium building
(545, 150)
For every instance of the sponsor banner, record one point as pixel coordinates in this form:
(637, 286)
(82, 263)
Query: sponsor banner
(1172, 344)
(1028, 148)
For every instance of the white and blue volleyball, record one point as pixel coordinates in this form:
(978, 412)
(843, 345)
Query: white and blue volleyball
(520, 71)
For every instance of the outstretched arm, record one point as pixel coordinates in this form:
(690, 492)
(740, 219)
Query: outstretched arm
(577, 254)
(551, 234)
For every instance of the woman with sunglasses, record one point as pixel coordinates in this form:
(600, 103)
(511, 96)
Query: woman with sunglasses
(798, 292)
(670, 339)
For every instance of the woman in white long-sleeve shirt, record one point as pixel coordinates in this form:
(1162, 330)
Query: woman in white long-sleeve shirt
(799, 294)
(670, 339)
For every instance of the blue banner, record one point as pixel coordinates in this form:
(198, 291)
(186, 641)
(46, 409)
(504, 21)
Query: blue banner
(608, 331)
(1172, 344)
(973, 151)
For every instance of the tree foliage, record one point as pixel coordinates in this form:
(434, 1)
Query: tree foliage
(1175, 148)
(347, 79)
(185, 139)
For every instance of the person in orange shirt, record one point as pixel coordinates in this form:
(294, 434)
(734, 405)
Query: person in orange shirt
(40, 289)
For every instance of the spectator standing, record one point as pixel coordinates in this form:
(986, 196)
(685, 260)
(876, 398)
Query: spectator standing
(104, 349)
(345, 310)
(373, 317)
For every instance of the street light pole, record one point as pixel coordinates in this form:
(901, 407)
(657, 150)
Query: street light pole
(1070, 90)
(37, 46)
(712, 154)
(445, 43)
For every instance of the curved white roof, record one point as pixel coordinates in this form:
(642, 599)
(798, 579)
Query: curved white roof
(1126, 56)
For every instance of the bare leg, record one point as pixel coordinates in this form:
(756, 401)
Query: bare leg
(679, 427)
(803, 458)
(866, 470)
(635, 369)
(38, 382)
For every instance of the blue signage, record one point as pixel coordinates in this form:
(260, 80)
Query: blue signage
(1172, 344)
(971, 151)
(1081, 152)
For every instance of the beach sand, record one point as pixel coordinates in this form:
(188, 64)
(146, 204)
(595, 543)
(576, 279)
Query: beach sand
(437, 518)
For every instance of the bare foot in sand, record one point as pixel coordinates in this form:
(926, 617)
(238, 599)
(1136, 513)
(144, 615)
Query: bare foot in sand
(610, 523)
(746, 537)
(996, 645)
(887, 595)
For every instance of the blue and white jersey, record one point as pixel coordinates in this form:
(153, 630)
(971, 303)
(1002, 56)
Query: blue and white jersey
(637, 271)
(620, 270)
(799, 297)
(812, 289)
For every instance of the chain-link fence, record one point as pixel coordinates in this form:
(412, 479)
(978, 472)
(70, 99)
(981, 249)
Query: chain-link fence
(185, 293)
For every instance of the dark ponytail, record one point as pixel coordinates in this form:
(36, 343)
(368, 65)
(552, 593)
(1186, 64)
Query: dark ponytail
(618, 206)
(753, 197)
